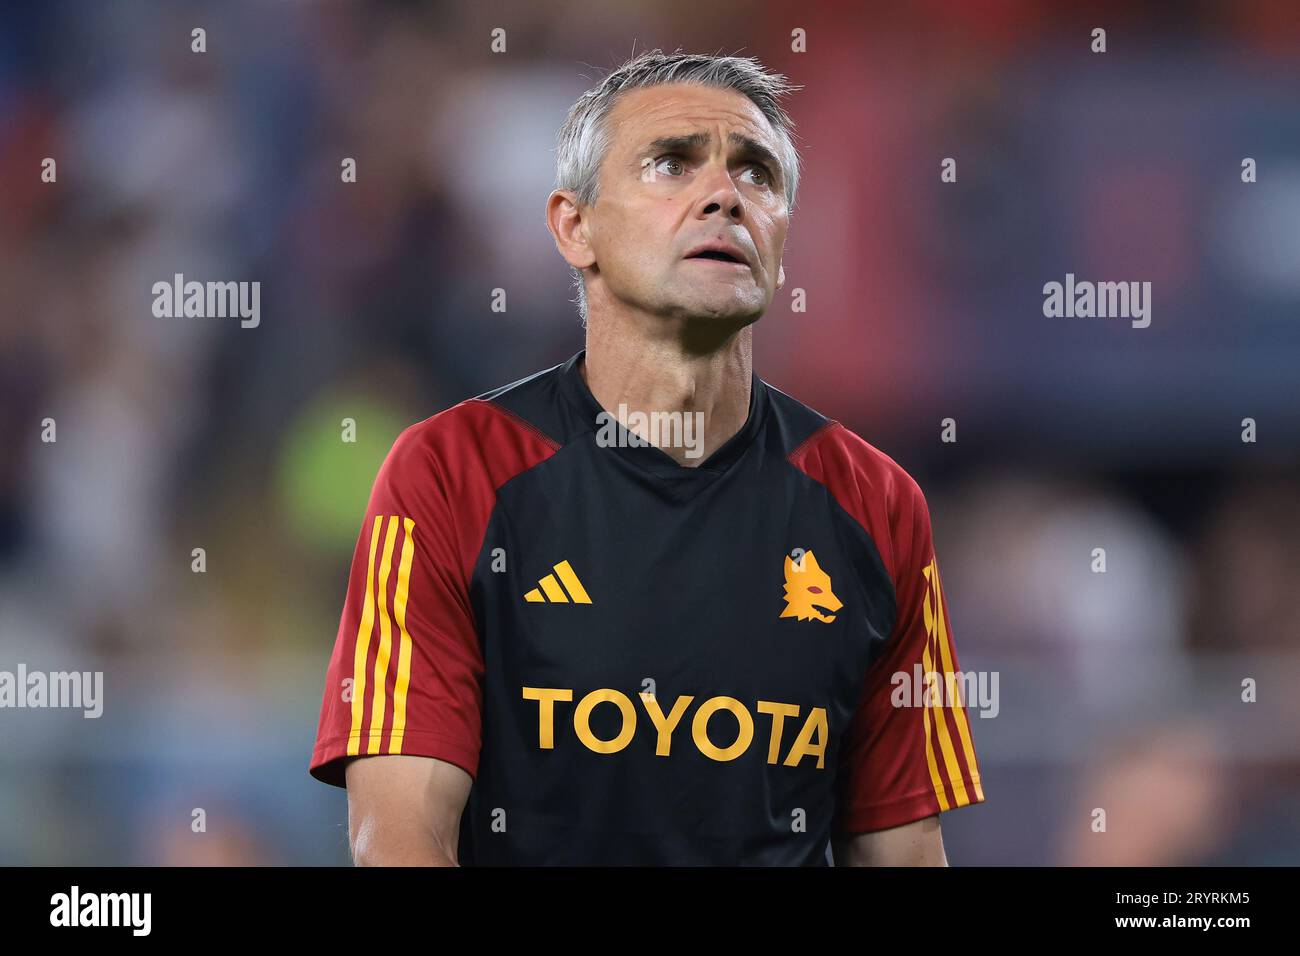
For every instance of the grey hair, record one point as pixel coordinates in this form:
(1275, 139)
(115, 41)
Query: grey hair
(584, 138)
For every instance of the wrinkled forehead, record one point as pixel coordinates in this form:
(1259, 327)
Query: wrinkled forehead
(677, 110)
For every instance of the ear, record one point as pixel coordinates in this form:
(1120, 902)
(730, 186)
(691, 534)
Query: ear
(568, 223)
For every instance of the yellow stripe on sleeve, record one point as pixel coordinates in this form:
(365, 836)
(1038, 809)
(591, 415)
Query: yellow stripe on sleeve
(961, 798)
(959, 712)
(363, 647)
(404, 655)
(935, 779)
(380, 701)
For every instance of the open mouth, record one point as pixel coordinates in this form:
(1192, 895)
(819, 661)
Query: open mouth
(717, 255)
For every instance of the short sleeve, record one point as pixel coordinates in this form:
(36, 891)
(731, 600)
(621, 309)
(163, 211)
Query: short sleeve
(405, 676)
(908, 753)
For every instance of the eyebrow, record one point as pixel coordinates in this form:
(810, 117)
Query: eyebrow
(748, 147)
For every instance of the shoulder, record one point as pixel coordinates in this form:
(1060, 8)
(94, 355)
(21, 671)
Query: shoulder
(873, 488)
(481, 440)
(845, 461)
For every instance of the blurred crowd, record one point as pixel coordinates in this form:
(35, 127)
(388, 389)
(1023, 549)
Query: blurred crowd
(1120, 690)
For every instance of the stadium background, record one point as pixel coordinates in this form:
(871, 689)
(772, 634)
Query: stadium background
(1118, 690)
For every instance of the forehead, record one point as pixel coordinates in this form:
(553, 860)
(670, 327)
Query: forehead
(681, 108)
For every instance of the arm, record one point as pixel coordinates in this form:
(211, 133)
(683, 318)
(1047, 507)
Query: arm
(403, 686)
(405, 810)
(908, 753)
(919, 843)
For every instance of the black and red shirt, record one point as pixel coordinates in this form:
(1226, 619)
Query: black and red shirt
(640, 662)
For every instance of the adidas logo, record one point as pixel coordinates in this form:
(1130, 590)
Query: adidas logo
(549, 591)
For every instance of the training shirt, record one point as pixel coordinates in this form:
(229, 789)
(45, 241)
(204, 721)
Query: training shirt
(640, 662)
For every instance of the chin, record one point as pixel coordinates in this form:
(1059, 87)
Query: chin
(720, 305)
(720, 314)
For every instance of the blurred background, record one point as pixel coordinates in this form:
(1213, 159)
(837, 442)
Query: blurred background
(1120, 690)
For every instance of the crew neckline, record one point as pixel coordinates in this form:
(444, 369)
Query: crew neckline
(654, 459)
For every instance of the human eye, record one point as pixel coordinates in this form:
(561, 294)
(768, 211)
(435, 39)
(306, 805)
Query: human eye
(764, 175)
(670, 158)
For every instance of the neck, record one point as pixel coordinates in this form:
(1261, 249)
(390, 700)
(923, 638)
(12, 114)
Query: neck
(709, 379)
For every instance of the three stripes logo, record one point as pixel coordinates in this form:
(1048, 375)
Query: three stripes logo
(549, 590)
(374, 610)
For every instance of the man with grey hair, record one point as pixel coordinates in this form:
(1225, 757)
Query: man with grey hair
(643, 607)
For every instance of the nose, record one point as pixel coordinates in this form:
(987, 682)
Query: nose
(721, 195)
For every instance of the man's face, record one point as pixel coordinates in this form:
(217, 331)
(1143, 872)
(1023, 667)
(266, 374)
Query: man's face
(688, 167)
